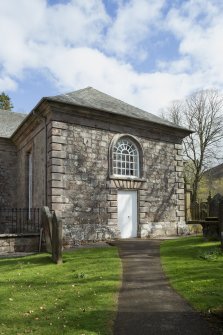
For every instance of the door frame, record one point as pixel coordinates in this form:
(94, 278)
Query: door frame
(137, 208)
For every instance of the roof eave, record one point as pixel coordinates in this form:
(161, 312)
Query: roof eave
(28, 116)
(181, 129)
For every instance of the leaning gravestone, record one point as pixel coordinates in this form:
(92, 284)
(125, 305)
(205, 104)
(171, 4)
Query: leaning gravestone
(47, 228)
(52, 229)
(56, 240)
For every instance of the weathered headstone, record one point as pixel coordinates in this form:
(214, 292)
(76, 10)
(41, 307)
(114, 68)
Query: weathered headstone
(47, 227)
(56, 240)
(52, 228)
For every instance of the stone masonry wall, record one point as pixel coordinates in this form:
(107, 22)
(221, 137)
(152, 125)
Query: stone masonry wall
(78, 185)
(85, 198)
(162, 199)
(8, 170)
(160, 194)
(16, 243)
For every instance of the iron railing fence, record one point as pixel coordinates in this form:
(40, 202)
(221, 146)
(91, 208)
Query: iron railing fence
(199, 211)
(20, 220)
(205, 209)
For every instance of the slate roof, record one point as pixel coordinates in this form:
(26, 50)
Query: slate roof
(215, 172)
(9, 122)
(89, 98)
(92, 98)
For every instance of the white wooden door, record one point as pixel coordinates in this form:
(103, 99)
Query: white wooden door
(127, 213)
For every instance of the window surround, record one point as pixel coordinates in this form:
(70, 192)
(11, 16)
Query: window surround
(132, 139)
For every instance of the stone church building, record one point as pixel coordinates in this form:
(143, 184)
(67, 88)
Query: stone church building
(106, 168)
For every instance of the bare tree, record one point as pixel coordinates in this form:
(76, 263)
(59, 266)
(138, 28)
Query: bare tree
(202, 112)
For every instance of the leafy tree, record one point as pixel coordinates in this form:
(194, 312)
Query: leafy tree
(202, 112)
(5, 102)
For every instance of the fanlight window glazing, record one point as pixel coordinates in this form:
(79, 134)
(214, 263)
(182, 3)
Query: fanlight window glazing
(125, 158)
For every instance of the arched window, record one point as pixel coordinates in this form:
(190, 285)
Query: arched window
(125, 158)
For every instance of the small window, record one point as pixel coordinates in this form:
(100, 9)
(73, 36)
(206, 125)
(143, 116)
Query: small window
(125, 158)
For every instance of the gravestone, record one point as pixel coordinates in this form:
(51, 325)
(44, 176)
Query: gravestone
(52, 229)
(47, 227)
(56, 240)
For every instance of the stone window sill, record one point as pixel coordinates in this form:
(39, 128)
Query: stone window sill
(127, 178)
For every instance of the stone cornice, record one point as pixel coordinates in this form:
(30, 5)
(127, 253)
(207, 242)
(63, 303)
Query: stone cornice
(60, 111)
(37, 116)
(108, 121)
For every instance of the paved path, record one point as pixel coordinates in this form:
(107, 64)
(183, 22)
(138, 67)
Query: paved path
(147, 303)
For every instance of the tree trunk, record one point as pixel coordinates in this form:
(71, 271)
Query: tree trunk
(195, 188)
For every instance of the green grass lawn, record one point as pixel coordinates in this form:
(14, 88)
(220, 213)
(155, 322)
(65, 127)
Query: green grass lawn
(195, 270)
(77, 297)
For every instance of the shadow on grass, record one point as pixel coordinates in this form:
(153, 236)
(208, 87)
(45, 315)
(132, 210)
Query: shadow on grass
(37, 259)
(85, 323)
(187, 247)
(73, 311)
(76, 296)
(196, 278)
(76, 322)
(45, 259)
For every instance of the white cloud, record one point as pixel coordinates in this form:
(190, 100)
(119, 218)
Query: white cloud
(18, 24)
(83, 67)
(7, 83)
(132, 25)
(78, 23)
(198, 27)
(78, 44)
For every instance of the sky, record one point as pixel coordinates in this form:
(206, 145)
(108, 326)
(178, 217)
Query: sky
(144, 52)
